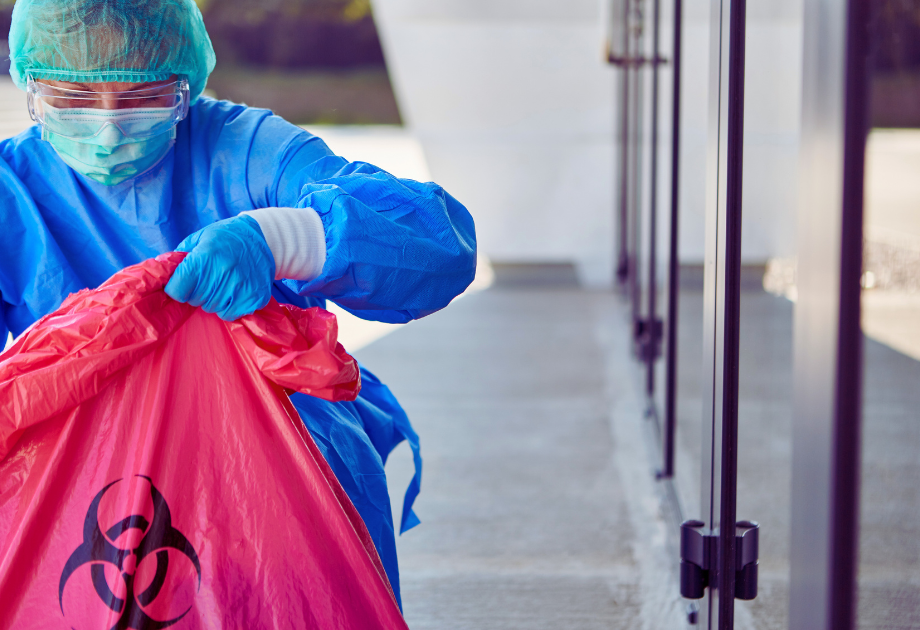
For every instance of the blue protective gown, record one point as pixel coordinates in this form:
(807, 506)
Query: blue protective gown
(396, 250)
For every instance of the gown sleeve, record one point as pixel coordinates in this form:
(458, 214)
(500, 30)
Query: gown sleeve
(396, 249)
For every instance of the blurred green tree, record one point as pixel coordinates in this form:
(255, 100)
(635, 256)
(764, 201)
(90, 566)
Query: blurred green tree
(284, 34)
(308, 60)
(896, 34)
(293, 33)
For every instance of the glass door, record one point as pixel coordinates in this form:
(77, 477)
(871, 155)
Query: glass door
(888, 573)
(718, 553)
(827, 422)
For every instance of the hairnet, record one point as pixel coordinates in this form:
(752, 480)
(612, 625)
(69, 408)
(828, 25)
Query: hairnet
(132, 41)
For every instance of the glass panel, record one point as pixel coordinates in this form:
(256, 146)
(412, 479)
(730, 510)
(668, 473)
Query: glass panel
(773, 79)
(889, 570)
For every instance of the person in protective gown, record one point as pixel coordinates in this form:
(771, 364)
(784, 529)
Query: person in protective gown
(129, 160)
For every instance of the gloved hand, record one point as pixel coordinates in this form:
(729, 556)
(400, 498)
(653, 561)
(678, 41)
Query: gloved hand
(229, 269)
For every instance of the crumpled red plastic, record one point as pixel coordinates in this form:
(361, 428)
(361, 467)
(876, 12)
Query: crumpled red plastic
(153, 472)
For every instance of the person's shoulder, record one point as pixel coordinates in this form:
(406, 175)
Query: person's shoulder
(209, 111)
(24, 149)
(24, 141)
(234, 125)
(215, 107)
(20, 156)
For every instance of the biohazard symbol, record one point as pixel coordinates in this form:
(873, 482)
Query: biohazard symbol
(96, 550)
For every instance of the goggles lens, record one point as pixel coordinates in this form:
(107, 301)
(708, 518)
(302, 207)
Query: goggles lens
(80, 114)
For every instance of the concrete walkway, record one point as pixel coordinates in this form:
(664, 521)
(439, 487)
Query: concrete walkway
(539, 506)
(889, 571)
(539, 509)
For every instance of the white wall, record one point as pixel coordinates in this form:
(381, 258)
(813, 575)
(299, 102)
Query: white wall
(773, 88)
(513, 104)
(515, 108)
(773, 85)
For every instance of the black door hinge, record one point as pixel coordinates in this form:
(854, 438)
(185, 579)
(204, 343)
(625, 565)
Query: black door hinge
(648, 334)
(698, 559)
(623, 269)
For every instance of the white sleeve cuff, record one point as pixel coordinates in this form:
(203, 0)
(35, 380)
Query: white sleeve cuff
(296, 238)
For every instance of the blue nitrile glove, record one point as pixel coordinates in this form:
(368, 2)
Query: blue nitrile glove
(229, 269)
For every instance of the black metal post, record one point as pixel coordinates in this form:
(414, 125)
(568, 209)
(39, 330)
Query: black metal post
(847, 432)
(670, 397)
(722, 312)
(652, 332)
(635, 65)
(732, 306)
(622, 269)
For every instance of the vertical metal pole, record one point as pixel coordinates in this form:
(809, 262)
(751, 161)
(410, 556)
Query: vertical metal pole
(635, 161)
(828, 349)
(670, 401)
(622, 270)
(722, 308)
(651, 333)
(733, 207)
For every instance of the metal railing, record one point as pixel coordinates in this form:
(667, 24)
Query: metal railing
(626, 49)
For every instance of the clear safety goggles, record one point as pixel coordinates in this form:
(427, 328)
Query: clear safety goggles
(80, 114)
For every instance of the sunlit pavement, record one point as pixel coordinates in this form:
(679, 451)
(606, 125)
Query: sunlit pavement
(892, 315)
(889, 571)
(539, 507)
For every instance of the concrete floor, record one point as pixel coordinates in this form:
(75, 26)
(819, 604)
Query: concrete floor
(890, 499)
(539, 506)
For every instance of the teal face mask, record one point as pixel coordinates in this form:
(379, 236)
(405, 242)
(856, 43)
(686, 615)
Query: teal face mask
(110, 157)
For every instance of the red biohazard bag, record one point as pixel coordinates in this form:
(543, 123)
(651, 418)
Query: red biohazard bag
(154, 474)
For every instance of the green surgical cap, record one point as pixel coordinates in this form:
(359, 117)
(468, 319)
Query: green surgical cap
(91, 41)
